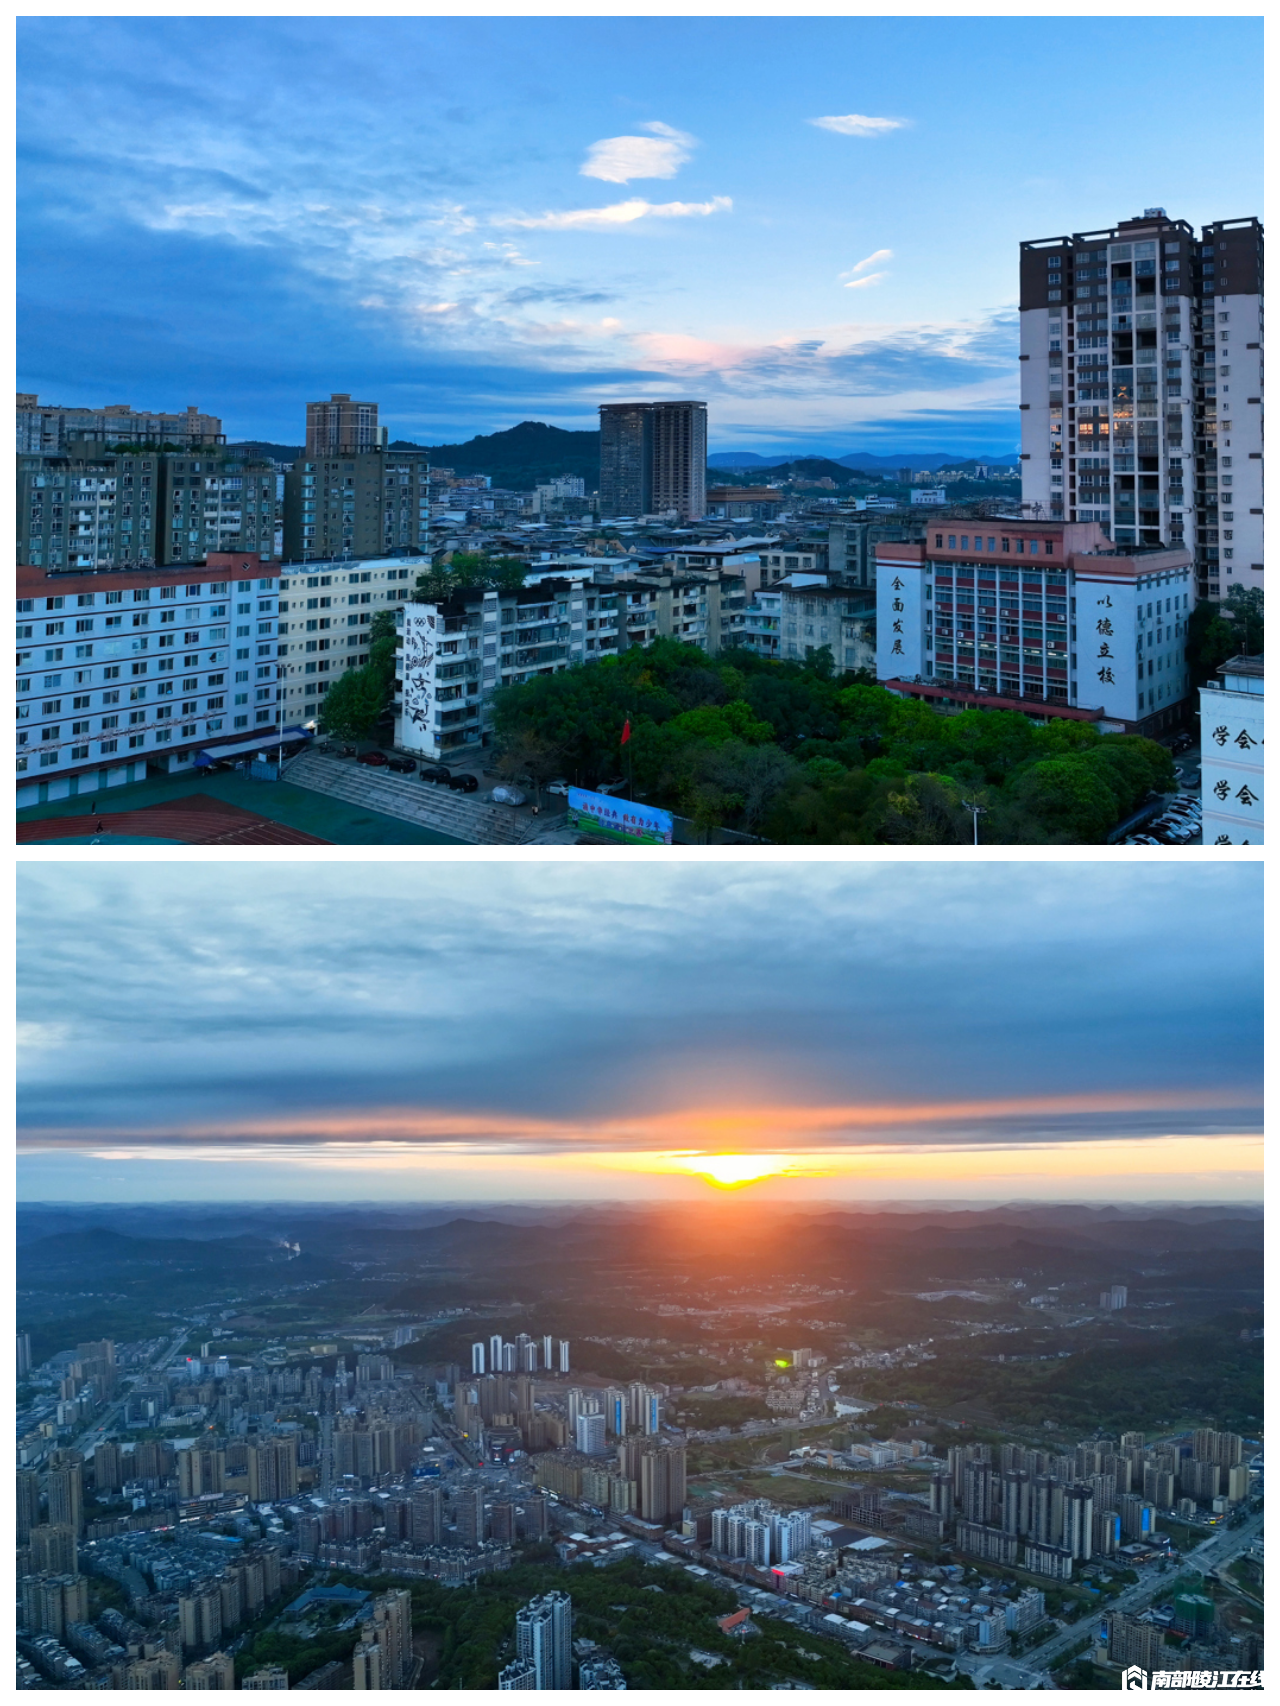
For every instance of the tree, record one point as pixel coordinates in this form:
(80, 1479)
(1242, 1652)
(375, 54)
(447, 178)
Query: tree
(754, 776)
(467, 569)
(928, 809)
(357, 701)
(1216, 632)
(1072, 802)
(718, 724)
(525, 757)
(352, 706)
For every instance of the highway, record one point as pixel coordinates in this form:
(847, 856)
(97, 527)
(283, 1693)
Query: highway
(1029, 1672)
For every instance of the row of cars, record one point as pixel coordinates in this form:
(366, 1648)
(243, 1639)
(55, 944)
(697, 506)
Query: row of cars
(1179, 823)
(460, 781)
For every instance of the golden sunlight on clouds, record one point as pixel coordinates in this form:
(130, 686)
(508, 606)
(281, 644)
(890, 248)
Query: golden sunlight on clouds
(1164, 1166)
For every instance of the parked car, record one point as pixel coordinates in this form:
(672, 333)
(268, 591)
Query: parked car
(378, 758)
(404, 766)
(435, 773)
(462, 783)
(608, 787)
(1141, 841)
(506, 795)
(559, 786)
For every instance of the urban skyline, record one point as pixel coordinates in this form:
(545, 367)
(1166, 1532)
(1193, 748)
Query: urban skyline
(600, 1034)
(570, 242)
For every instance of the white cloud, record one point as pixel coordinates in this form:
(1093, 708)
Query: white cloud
(858, 124)
(871, 261)
(871, 278)
(618, 159)
(620, 213)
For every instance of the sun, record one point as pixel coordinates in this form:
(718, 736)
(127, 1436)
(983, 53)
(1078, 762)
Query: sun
(731, 1171)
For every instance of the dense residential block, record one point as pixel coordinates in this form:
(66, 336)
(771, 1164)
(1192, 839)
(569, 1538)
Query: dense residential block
(357, 503)
(51, 428)
(131, 672)
(140, 508)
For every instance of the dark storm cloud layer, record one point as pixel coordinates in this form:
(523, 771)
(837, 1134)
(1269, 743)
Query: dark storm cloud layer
(541, 1005)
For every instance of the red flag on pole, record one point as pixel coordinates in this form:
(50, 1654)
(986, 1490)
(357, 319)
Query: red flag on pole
(626, 732)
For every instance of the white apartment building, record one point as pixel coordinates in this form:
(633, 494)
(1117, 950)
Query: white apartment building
(815, 615)
(326, 610)
(1231, 739)
(454, 654)
(1045, 618)
(137, 671)
(762, 622)
(1142, 395)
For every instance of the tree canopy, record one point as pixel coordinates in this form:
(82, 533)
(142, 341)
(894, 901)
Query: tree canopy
(356, 701)
(801, 754)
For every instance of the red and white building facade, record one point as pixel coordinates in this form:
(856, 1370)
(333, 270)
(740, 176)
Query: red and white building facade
(1044, 618)
(127, 673)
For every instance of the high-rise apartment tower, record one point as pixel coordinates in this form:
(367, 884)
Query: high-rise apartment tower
(653, 458)
(1142, 388)
(340, 427)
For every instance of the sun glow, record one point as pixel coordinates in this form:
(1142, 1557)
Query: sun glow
(730, 1172)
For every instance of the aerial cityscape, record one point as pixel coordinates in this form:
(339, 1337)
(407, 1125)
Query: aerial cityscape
(626, 525)
(746, 1276)
(587, 1207)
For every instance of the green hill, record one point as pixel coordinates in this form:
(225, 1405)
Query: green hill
(522, 457)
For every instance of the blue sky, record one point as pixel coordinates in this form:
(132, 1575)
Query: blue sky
(479, 221)
(461, 1030)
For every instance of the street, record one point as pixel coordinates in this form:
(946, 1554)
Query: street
(94, 1433)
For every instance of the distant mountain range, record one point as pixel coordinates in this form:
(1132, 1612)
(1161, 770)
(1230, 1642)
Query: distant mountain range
(861, 460)
(524, 456)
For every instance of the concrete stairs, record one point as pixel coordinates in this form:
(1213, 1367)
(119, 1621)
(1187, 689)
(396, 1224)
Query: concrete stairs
(466, 817)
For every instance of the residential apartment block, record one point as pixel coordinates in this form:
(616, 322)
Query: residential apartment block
(140, 508)
(701, 607)
(361, 504)
(133, 672)
(454, 654)
(47, 429)
(1047, 618)
(340, 427)
(745, 503)
(653, 459)
(1142, 388)
(325, 616)
(816, 615)
(213, 503)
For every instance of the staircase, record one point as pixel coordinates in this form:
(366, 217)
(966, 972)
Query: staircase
(465, 817)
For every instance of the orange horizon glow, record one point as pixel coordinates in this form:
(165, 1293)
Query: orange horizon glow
(1147, 1165)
